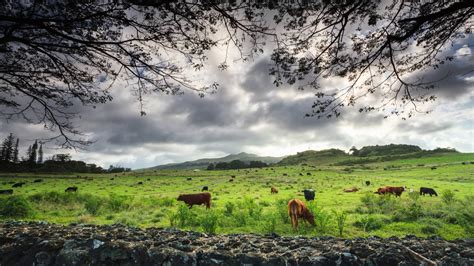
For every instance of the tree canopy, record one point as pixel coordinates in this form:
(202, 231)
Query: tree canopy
(58, 55)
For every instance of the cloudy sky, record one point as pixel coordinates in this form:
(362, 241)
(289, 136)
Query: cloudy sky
(249, 114)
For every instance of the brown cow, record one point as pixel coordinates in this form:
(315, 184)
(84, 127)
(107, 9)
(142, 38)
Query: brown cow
(274, 190)
(397, 191)
(196, 199)
(296, 210)
(352, 189)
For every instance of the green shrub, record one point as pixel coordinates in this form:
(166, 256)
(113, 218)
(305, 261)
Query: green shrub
(183, 215)
(166, 202)
(269, 224)
(229, 208)
(93, 204)
(15, 207)
(340, 220)
(429, 229)
(448, 197)
(209, 222)
(370, 223)
(240, 217)
(118, 203)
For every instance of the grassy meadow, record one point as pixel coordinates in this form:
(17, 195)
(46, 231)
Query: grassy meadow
(247, 206)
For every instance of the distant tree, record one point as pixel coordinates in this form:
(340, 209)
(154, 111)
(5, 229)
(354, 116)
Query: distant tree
(32, 156)
(16, 152)
(54, 53)
(354, 151)
(221, 166)
(7, 151)
(257, 164)
(210, 166)
(40, 154)
(237, 164)
(62, 157)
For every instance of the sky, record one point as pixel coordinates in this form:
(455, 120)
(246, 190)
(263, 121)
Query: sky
(249, 114)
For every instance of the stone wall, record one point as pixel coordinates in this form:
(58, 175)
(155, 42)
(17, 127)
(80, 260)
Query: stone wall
(36, 243)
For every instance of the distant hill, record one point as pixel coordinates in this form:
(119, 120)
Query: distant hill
(203, 163)
(323, 157)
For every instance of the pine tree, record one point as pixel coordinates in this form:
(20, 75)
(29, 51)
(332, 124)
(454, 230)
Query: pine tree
(15, 151)
(34, 152)
(40, 153)
(7, 149)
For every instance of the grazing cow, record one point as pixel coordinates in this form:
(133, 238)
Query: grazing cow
(352, 189)
(301, 174)
(296, 210)
(231, 180)
(112, 178)
(205, 188)
(71, 189)
(308, 173)
(427, 190)
(433, 168)
(189, 179)
(148, 179)
(285, 174)
(367, 183)
(397, 191)
(233, 176)
(196, 199)
(140, 183)
(309, 194)
(38, 180)
(6, 191)
(274, 190)
(18, 184)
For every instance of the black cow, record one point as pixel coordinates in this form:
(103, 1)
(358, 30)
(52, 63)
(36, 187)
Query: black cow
(18, 184)
(6, 191)
(433, 168)
(427, 190)
(71, 189)
(309, 194)
(140, 183)
(367, 183)
(112, 178)
(308, 173)
(301, 174)
(38, 180)
(205, 188)
(189, 179)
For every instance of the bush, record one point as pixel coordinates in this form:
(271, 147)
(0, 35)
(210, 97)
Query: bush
(229, 208)
(118, 203)
(322, 218)
(370, 222)
(429, 229)
(93, 204)
(448, 197)
(340, 220)
(269, 224)
(209, 222)
(15, 207)
(166, 202)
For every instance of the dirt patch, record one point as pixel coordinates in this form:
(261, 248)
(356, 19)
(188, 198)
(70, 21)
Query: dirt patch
(37, 243)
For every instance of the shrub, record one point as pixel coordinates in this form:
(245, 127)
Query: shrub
(269, 224)
(118, 203)
(166, 202)
(369, 223)
(448, 197)
(92, 205)
(15, 207)
(322, 218)
(240, 217)
(184, 216)
(229, 208)
(209, 222)
(340, 220)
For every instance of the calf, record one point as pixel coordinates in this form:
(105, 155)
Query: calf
(296, 210)
(367, 183)
(205, 188)
(274, 190)
(6, 191)
(71, 189)
(309, 194)
(352, 189)
(196, 199)
(427, 190)
(38, 180)
(308, 173)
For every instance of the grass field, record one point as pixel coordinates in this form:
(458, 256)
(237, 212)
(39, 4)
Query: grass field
(246, 205)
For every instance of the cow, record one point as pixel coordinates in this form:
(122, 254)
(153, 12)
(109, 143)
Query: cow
(308, 173)
(18, 184)
(205, 188)
(274, 190)
(397, 191)
(308, 194)
(352, 189)
(189, 179)
(367, 183)
(140, 183)
(148, 179)
(231, 180)
(112, 178)
(427, 190)
(301, 174)
(196, 199)
(232, 176)
(71, 189)
(38, 180)
(285, 174)
(297, 210)
(6, 191)
(433, 168)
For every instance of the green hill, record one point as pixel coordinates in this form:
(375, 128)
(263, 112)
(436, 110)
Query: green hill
(310, 157)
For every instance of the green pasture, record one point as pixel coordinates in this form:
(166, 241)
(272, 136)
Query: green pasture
(247, 206)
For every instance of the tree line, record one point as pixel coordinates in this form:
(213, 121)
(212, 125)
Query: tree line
(32, 161)
(236, 164)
